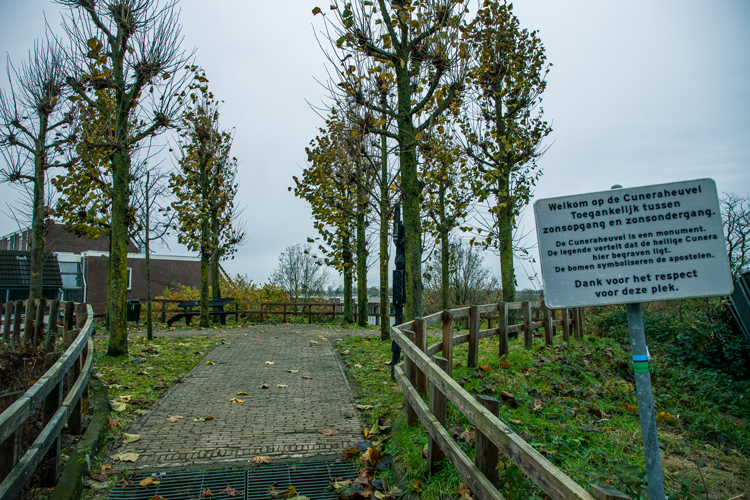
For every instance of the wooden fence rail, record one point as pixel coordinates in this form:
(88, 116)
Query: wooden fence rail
(422, 368)
(60, 391)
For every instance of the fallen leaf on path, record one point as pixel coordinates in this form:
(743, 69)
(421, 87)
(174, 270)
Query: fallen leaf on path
(206, 493)
(203, 419)
(243, 393)
(287, 493)
(210, 363)
(115, 422)
(307, 377)
(293, 371)
(350, 452)
(282, 386)
(149, 481)
(313, 341)
(125, 457)
(265, 386)
(270, 362)
(235, 400)
(124, 483)
(99, 477)
(261, 460)
(174, 418)
(329, 432)
(231, 492)
(364, 407)
(130, 438)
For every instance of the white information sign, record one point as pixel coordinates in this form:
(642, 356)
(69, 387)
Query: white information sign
(640, 244)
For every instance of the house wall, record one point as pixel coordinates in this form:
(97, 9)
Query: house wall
(60, 240)
(163, 274)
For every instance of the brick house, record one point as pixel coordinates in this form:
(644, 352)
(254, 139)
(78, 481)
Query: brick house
(83, 265)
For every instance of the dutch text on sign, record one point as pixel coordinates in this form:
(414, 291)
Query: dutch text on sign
(633, 245)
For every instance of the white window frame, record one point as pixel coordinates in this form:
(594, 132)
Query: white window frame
(130, 278)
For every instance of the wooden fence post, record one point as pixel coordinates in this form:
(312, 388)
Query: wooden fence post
(548, 328)
(54, 309)
(438, 407)
(51, 404)
(163, 312)
(28, 325)
(473, 336)
(421, 342)
(10, 450)
(75, 417)
(579, 323)
(68, 317)
(448, 340)
(528, 338)
(565, 325)
(502, 326)
(309, 312)
(261, 312)
(411, 376)
(17, 322)
(39, 322)
(8, 313)
(486, 453)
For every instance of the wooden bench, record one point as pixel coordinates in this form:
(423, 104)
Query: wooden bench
(216, 304)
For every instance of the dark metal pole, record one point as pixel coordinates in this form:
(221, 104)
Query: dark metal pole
(399, 280)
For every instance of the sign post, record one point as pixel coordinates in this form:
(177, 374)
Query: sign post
(634, 245)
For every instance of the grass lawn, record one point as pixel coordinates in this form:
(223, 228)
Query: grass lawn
(576, 405)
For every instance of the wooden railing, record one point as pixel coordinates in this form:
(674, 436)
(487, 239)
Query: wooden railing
(59, 392)
(422, 366)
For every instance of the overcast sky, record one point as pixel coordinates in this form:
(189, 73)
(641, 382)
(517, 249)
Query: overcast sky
(641, 92)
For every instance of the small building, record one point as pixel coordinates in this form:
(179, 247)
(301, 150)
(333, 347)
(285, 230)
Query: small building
(81, 264)
(15, 274)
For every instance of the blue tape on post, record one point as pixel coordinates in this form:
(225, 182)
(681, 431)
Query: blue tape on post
(640, 357)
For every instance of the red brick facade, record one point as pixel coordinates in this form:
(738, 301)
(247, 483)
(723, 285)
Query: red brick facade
(93, 256)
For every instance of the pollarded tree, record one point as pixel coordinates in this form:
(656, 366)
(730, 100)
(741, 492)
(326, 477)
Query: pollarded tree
(205, 185)
(300, 273)
(327, 184)
(503, 123)
(138, 44)
(37, 133)
(420, 42)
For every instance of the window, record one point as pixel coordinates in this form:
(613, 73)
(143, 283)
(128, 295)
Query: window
(71, 275)
(130, 278)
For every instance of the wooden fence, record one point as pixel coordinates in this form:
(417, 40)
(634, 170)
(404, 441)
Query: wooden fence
(422, 366)
(163, 309)
(59, 393)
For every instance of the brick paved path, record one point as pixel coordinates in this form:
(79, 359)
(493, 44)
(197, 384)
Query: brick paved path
(277, 422)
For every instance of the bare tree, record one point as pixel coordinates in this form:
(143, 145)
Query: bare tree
(735, 211)
(131, 50)
(299, 272)
(36, 134)
(470, 282)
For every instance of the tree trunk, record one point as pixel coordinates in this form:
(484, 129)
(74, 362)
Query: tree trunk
(361, 249)
(36, 265)
(346, 255)
(444, 250)
(505, 213)
(204, 291)
(215, 276)
(410, 195)
(118, 283)
(149, 322)
(385, 316)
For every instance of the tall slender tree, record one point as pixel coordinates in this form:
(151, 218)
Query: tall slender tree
(138, 44)
(205, 184)
(37, 133)
(503, 123)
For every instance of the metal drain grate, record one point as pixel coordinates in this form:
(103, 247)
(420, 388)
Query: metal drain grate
(251, 483)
